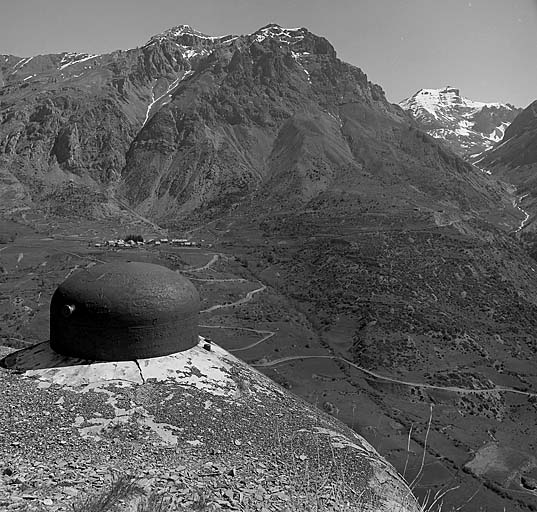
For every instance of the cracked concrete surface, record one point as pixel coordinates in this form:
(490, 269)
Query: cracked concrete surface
(201, 399)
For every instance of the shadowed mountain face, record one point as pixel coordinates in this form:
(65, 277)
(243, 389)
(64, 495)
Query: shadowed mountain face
(72, 117)
(516, 156)
(514, 160)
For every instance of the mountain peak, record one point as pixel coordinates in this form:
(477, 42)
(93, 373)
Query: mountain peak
(447, 95)
(180, 30)
(271, 25)
(287, 35)
(186, 35)
(271, 30)
(300, 38)
(444, 94)
(451, 90)
(469, 126)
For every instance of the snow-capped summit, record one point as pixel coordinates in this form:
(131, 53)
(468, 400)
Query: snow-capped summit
(469, 127)
(440, 103)
(286, 35)
(185, 29)
(185, 35)
(182, 30)
(191, 42)
(195, 44)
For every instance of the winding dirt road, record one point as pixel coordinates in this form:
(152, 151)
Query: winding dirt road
(236, 280)
(454, 389)
(207, 266)
(265, 335)
(249, 296)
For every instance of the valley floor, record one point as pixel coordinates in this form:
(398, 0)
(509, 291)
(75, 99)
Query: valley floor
(446, 417)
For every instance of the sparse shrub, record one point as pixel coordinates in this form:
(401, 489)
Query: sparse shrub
(154, 503)
(125, 493)
(121, 488)
(7, 237)
(73, 200)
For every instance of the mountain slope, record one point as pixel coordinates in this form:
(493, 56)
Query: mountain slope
(516, 156)
(515, 162)
(190, 124)
(277, 118)
(71, 117)
(468, 127)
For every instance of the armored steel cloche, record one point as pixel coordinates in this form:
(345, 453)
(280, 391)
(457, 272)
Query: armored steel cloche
(124, 311)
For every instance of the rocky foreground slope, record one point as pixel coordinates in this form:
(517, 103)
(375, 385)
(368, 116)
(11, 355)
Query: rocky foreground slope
(197, 430)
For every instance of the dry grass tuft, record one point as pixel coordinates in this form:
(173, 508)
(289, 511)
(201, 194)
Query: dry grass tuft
(122, 488)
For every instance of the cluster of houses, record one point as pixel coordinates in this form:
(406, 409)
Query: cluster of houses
(183, 242)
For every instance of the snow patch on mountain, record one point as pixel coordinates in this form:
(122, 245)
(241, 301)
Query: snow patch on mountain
(298, 58)
(284, 35)
(190, 53)
(185, 35)
(191, 42)
(498, 133)
(182, 30)
(438, 103)
(21, 64)
(469, 127)
(74, 58)
(165, 98)
(194, 42)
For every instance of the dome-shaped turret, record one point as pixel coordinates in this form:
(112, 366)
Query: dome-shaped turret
(124, 311)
